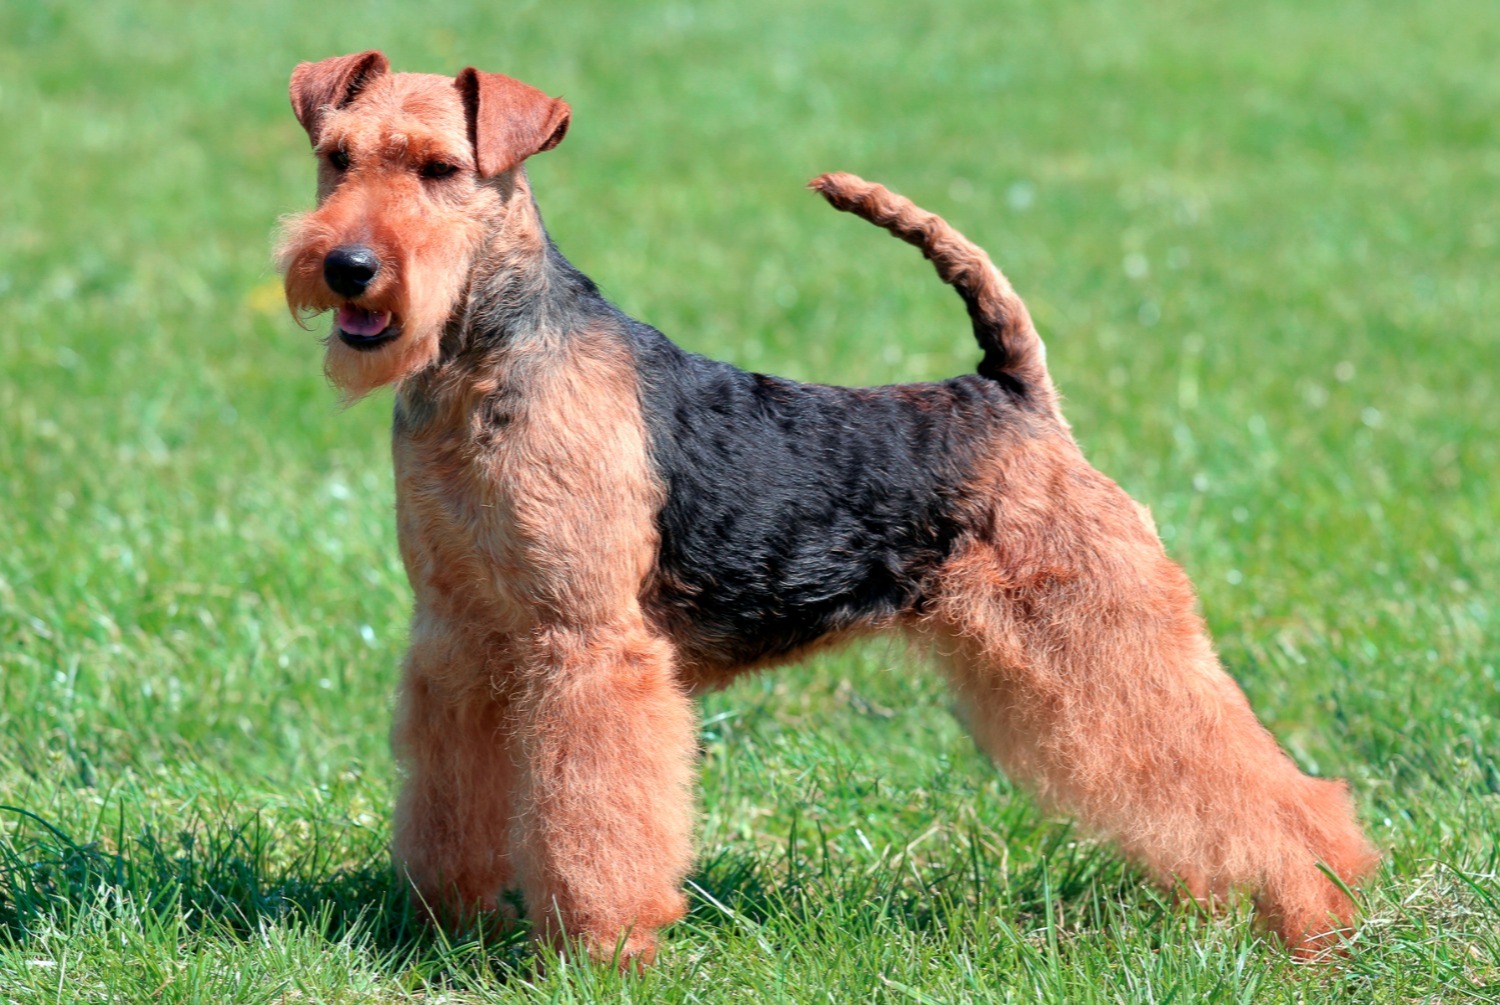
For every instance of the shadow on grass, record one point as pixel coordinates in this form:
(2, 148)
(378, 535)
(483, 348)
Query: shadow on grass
(227, 877)
(222, 873)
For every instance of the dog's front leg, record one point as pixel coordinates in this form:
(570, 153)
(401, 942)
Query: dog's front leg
(452, 738)
(604, 821)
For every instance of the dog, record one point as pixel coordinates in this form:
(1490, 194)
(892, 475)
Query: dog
(598, 525)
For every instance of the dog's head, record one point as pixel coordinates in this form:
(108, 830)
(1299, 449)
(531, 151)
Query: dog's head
(414, 172)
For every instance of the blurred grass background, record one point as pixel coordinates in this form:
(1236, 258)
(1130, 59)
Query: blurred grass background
(1262, 243)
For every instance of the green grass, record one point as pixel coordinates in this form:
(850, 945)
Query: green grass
(1262, 241)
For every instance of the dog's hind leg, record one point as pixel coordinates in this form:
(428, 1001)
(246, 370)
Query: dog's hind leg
(1084, 670)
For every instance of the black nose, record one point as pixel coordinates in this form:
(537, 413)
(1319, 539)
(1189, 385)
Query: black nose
(349, 269)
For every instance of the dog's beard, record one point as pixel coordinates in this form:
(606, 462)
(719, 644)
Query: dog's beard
(417, 324)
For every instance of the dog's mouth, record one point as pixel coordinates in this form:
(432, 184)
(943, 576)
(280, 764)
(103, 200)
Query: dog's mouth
(365, 329)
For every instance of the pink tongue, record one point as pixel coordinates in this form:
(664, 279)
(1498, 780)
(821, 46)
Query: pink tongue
(358, 321)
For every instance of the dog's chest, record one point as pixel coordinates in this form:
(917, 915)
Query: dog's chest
(536, 503)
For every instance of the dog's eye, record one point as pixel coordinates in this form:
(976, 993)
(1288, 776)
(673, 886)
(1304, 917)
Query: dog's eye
(438, 169)
(338, 160)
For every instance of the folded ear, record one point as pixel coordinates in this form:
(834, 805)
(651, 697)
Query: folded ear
(508, 120)
(332, 83)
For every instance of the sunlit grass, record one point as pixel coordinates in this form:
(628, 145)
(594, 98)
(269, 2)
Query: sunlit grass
(1261, 242)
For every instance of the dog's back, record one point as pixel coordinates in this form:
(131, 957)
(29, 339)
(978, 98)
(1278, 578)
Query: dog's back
(798, 511)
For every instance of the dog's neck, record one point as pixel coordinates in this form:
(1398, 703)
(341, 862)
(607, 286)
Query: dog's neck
(521, 285)
(523, 297)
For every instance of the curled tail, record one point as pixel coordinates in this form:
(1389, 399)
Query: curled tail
(1013, 352)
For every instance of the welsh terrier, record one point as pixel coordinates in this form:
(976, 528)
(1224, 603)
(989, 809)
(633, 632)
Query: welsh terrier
(598, 525)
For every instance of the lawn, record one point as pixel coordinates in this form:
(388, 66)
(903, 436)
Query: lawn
(1262, 241)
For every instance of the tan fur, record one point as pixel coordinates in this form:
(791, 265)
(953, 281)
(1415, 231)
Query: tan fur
(532, 673)
(1082, 664)
(544, 724)
(546, 535)
(428, 243)
(1084, 670)
(452, 736)
(512, 120)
